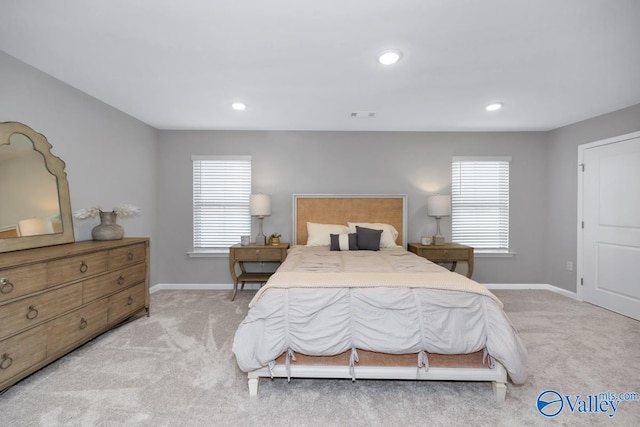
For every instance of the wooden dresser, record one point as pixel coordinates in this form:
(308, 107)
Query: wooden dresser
(57, 298)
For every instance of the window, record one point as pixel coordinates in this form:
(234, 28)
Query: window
(221, 190)
(480, 203)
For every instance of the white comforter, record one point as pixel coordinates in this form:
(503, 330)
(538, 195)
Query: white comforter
(397, 315)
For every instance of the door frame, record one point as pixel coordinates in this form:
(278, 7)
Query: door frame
(581, 150)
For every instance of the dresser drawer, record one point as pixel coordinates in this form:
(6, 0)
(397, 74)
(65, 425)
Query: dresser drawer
(76, 327)
(446, 254)
(266, 254)
(16, 282)
(128, 255)
(126, 302)
(21, 352)
(31, 311)
(109, 283)
(74, 268)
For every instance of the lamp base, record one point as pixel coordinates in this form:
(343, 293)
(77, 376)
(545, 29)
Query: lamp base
(437, 240)
(261, 239)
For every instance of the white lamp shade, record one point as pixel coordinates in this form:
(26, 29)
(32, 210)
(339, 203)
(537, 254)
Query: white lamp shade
(260, 204)
(439, 205)
(34, 226)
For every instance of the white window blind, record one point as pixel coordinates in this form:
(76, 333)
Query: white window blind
(480, 202)
(221, 190)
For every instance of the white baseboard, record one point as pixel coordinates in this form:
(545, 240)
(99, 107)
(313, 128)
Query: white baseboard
(199, 286)
(255, 286)
(534, 286)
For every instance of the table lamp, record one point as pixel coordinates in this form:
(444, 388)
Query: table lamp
(260, 206)
(438, 206)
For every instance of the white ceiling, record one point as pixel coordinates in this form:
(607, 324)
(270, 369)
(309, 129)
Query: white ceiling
(307, 65)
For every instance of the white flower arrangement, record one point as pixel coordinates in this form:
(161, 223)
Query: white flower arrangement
(93, 211)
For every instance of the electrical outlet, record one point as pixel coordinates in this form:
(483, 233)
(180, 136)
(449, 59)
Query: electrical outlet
(569, 266)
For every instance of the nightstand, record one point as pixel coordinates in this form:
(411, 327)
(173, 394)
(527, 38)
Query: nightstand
(253, 253)
(449, 252)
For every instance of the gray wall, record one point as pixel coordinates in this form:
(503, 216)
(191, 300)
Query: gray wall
(416, 164)
(110, 157)
(563, 186)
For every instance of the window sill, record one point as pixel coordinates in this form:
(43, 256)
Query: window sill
(208, 253)
(487, 253)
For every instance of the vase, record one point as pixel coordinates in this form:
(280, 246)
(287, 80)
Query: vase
(107, 229)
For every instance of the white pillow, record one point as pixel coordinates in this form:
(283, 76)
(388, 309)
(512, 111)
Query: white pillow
(319, 234)
(389, 232)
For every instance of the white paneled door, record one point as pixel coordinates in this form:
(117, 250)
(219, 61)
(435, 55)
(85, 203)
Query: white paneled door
(610, 262)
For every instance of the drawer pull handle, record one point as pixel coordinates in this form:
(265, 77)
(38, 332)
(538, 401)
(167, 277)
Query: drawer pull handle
(129, 301)
(83, 323)
(6, 286)
(6, 361)
(129, 255)
(83, 267)
(32, 313)
(120, 280)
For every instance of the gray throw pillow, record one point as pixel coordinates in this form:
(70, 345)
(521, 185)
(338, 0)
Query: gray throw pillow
(368, 238)
(348, 244)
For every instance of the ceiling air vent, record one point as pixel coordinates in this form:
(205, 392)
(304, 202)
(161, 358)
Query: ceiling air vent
(363, 114)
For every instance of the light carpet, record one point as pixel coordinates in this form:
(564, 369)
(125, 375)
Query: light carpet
(176, 368)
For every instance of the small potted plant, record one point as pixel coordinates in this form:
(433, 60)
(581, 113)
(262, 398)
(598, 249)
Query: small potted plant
(275, 238)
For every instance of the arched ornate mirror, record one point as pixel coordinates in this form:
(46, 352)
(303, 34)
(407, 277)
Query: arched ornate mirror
(35, 208)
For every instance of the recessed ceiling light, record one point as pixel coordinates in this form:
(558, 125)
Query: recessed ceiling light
(238, 106)
(389, 57)
(494, 107)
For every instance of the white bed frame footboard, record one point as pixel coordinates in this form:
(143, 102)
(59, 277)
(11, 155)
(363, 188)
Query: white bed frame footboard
(496, 375)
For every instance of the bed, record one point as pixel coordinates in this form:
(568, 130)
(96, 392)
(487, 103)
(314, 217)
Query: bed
(367, 314)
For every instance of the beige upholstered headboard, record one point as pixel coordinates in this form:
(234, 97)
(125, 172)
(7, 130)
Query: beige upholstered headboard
(340, 209)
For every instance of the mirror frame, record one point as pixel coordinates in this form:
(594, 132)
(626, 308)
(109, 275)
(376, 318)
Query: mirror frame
(56, 166)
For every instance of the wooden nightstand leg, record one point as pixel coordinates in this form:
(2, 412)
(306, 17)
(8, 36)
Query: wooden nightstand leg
(235, 279)
(454, 264)
(235, 290)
